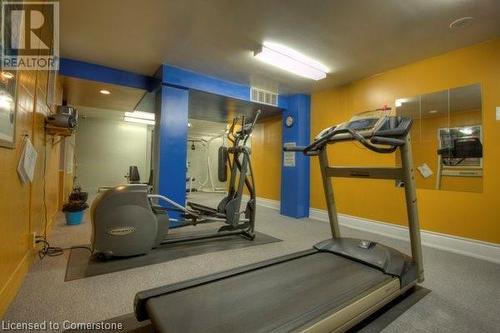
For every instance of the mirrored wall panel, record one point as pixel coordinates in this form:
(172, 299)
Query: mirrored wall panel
(447, 138)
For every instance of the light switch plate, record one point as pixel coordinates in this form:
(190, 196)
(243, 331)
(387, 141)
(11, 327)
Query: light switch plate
(498, 112)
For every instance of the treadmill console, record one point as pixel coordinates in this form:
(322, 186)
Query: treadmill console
(364, 121)
(378, 130)
(360, 122)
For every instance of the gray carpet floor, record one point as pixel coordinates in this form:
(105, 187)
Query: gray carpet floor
(465, 293)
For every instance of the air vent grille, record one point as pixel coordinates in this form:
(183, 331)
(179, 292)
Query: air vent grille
(263, 96)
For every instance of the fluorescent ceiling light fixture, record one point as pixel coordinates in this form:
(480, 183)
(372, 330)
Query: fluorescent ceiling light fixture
(466, 130)
(433, 111)
(105, 92)
(139, 120)
(140, 115)
(292, 61)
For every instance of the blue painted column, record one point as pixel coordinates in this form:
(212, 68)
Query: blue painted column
(172, 139)
(172, 129)
(295, 179)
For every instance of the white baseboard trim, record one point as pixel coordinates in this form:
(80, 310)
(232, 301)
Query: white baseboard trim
(264, 202)
(460, 245)
(269, 203)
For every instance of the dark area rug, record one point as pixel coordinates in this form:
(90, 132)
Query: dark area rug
(82, 264)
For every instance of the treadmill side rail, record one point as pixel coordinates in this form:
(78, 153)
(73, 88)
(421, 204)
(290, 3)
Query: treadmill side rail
(346, 318)
(386, 259)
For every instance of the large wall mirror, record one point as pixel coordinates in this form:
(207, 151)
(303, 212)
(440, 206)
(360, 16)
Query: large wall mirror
(447, 138)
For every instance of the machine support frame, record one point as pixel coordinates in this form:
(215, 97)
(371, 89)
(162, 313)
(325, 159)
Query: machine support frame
(411, 206)
(329, 196)
(404, 173)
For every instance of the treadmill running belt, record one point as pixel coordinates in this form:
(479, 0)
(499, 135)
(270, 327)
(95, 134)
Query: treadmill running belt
(281, 297)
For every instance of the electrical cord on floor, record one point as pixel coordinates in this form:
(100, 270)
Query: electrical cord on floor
(54, 251)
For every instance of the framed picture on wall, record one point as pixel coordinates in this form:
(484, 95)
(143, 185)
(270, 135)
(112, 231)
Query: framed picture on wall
(8, 83)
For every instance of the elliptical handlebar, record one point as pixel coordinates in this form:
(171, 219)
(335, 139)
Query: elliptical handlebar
(255, 118)
(172, 204)
(245, 130)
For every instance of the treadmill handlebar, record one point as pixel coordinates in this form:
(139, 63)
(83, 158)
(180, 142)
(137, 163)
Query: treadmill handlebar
(378, 143)
(387, 141)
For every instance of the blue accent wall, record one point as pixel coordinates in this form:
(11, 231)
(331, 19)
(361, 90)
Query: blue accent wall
(295, 180)
(173, 105)
(88, 71)
(178, 77)
(176, 83)
(173, 131)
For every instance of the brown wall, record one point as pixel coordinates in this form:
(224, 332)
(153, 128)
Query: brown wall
(266, 158)
(22, 206)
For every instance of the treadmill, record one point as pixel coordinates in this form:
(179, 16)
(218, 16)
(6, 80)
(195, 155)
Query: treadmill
(329, 288)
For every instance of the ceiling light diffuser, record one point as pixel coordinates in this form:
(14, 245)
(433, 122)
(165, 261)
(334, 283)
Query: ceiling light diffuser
(105, 92)
(139, 120)
(140, 115)
(466, 130)
(291, 60)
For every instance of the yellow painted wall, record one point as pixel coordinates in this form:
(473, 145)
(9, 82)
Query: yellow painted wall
(22, 208)
(466, 214)
(266, 158)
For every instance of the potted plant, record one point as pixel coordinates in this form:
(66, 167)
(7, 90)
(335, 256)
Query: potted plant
(74, 209)
(78, 195)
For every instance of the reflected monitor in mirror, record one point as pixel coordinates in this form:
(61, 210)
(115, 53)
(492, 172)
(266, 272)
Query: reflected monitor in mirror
(447, 138)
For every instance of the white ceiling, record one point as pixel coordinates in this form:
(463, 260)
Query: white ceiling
(204, 128)
(86, 93)
(354, 38)
(199, 128)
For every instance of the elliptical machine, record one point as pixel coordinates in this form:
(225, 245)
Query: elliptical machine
(241, 176)
(127, 221)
